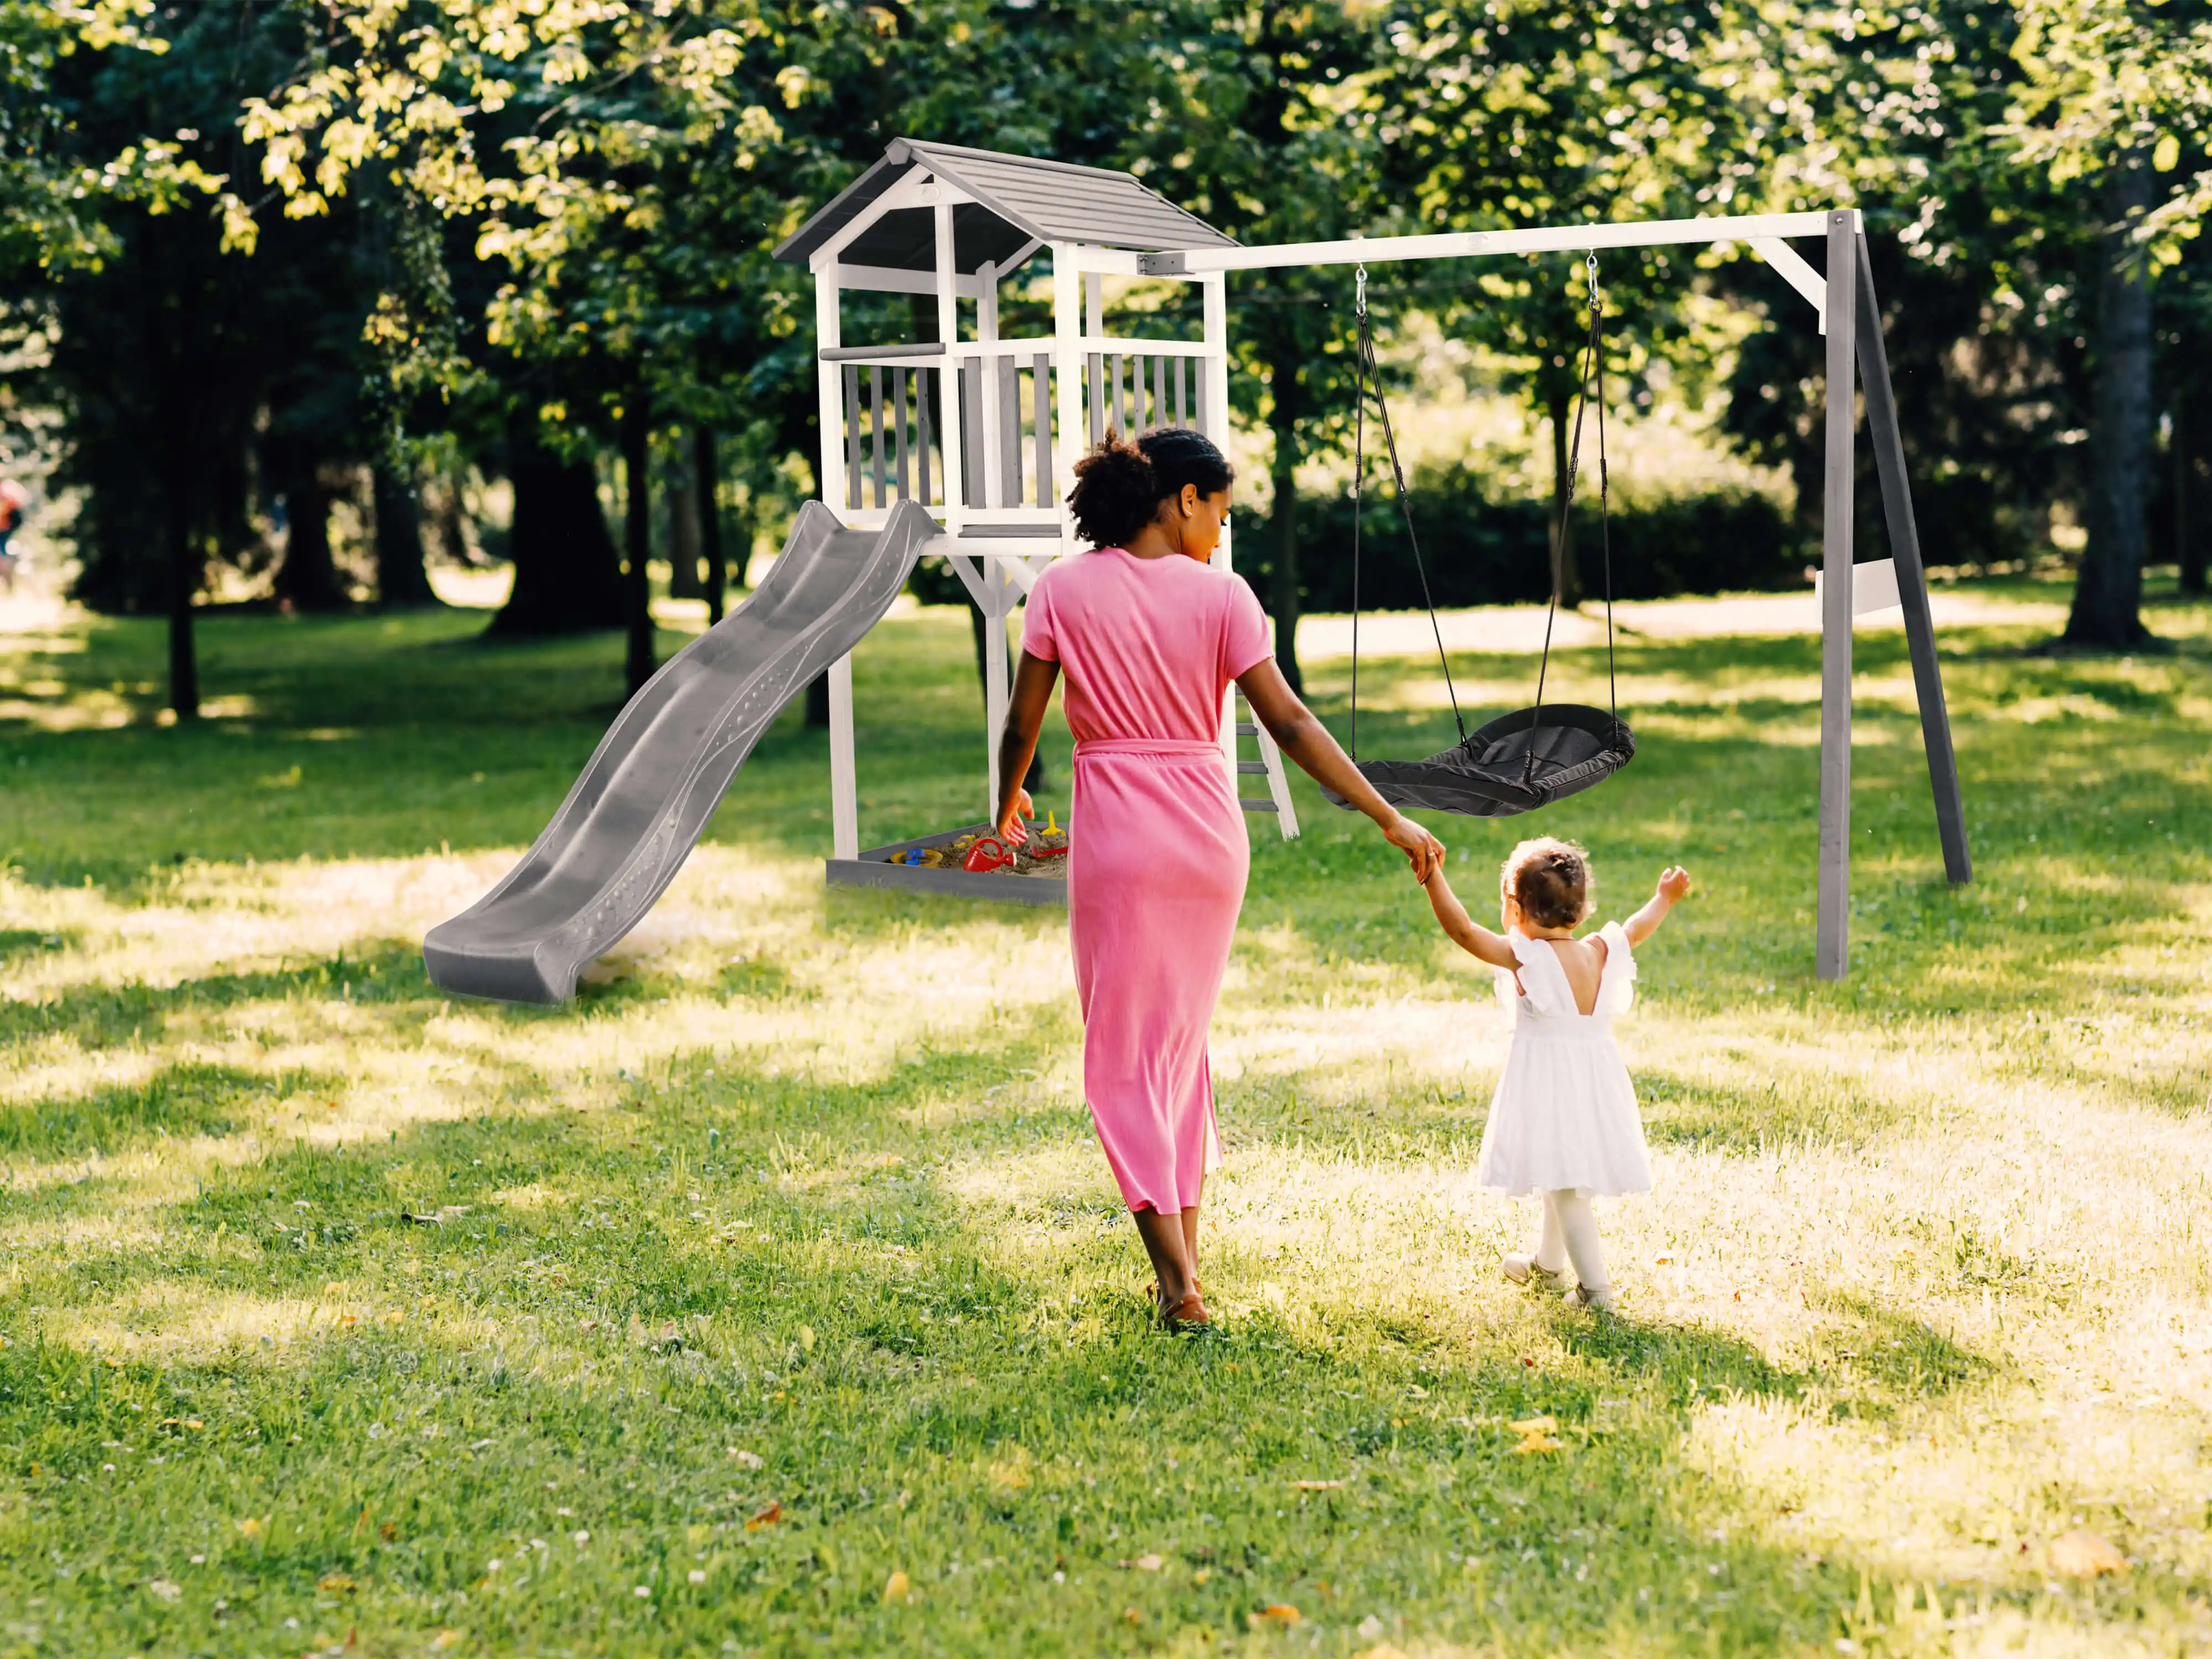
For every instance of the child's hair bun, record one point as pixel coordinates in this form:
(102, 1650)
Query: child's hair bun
(1551, 878)
(1120, 484)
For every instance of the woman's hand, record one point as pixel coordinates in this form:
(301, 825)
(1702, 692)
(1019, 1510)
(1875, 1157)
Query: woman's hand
(1010, 826)
(1422, 850)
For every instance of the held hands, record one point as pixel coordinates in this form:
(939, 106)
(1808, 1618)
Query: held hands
(1010, 826)
(1674, 883)
(1422, 850)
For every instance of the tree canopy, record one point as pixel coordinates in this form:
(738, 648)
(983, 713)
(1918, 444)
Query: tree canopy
(414, 236)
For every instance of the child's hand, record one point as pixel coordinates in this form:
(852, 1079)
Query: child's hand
(1674, 883)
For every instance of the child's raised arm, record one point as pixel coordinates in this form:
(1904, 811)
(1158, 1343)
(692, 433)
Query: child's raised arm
(1470, 935)
(1674, 883)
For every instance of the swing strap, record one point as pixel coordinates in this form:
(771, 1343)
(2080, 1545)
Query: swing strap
(1593, 369)
(1364, 371)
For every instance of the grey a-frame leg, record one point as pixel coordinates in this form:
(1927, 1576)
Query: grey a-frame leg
(1911, 577)
(1854, 353)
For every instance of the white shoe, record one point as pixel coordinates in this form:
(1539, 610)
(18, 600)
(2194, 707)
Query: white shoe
(1522, 1268)
(1583, 1296)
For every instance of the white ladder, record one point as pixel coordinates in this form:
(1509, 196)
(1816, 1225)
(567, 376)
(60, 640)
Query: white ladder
(1269, 766)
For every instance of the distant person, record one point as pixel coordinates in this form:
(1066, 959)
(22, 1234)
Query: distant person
(1563, 1124)
(14, 499)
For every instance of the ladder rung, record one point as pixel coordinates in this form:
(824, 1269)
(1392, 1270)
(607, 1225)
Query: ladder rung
(1246, 729)
(1259, 805)
(1252, 766)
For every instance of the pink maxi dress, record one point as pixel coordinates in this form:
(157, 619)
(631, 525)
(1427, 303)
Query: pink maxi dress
(1157, 856)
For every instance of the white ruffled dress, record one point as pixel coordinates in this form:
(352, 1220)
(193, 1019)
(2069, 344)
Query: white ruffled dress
(1564, 1114)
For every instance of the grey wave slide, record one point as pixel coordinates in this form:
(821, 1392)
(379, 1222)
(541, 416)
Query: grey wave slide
(645, 795)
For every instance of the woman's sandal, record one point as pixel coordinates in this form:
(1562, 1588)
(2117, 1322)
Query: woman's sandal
(1152, 1288)
(1188, 1315)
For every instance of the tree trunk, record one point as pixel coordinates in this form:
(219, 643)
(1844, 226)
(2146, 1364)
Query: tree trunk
(165, 348)
(680, 491)
(402, 581)
(637, 503)
(2108, 594)
(1283, 517)
(184, 582)
(308, 578)
(566, 578)
(2190, 524)
(707, 476)
(1565, 577)
(2199, 539)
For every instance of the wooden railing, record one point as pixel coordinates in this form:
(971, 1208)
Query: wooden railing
(1008, 431)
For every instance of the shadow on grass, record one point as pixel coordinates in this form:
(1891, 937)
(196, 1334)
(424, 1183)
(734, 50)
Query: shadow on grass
(20, 942)
(178, 1100)
(1702, 1117)
(730, 1260)
(96, 1015)
(1886, 1359)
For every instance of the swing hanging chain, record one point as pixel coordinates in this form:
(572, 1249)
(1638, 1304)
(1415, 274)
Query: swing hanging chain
(1359, 474)
(1604, 502)
(1373, 370)
(1592, 364)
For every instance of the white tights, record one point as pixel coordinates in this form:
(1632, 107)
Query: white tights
(1569, 1235)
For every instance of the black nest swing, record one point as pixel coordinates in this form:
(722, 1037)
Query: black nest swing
(1535, 756)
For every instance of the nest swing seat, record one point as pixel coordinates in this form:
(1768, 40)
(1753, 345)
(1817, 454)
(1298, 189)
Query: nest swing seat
(1532, 756)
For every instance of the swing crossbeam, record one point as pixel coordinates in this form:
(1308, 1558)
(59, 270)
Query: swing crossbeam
(1475, 244)
(1842, 296)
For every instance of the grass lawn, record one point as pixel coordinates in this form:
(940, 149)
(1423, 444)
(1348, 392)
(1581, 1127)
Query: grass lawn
(776, 1300)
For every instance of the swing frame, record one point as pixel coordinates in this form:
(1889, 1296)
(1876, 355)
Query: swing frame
(1844, 298)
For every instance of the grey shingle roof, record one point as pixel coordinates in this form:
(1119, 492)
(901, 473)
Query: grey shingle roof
(1017, 198)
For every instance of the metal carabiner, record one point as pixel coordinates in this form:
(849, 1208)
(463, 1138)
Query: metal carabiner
(1359, 291)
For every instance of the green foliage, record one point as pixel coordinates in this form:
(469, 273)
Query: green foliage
(1482, 549)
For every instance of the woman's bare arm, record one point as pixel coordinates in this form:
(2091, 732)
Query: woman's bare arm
(1033, 681)
(1301, 736)
(1470, 935)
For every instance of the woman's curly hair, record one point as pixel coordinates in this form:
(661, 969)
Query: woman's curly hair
(1551, 878)
(1120, 484)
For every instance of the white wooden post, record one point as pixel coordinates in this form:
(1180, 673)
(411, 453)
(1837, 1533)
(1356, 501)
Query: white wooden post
(987, 334)
(949, 399)
(844, 791)
(1072, 439)
(1213, 292)
(828, 336)
(844, 794)
(1001, 590)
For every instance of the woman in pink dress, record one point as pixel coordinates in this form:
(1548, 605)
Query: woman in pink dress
(1150, 639)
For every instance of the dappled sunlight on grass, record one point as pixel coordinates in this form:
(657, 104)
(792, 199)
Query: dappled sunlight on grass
(351, 1289)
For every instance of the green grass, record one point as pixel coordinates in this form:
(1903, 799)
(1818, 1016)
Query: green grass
(337, 1313)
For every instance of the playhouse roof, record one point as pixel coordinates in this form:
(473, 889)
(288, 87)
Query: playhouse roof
(1017, 200)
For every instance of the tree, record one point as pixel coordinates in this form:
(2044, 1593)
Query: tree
(2111, 89)
(1547, 113)
(81, 91)
(1980, 265)
(1269, 136)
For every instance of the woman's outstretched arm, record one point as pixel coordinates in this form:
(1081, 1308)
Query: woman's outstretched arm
(1033, 681)
(1306, 740)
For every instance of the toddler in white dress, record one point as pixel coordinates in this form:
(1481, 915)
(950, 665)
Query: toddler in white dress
(1563, 1122)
